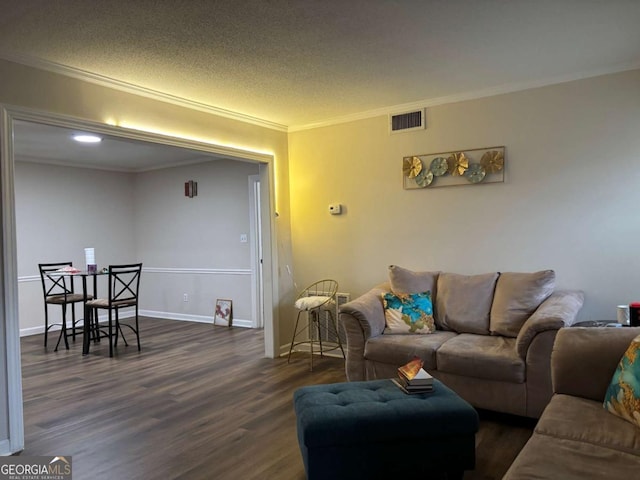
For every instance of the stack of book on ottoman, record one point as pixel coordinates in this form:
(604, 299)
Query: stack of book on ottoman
(412, 378)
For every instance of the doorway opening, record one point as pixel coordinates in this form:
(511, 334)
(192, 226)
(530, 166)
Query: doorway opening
(265, 283)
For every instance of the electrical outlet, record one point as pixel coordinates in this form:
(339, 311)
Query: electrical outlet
(185, 297)
(243, 238)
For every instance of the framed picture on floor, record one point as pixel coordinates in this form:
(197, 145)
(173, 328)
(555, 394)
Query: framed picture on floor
(223, 313)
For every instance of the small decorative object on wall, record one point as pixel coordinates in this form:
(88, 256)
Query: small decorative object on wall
(224, 312)
(464, 167)
(458, 164)
(191, 189)
(411, 167)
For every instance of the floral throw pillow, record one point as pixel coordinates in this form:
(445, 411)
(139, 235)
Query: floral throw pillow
(623, 395)
(408, 313)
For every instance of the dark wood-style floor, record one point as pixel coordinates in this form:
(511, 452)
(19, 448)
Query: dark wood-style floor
(198, 402)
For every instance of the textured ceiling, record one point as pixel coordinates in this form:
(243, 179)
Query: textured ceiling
(299, 62)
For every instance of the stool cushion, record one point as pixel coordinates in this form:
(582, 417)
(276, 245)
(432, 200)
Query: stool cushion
(70, 298)
(307, 303)
(104, 303)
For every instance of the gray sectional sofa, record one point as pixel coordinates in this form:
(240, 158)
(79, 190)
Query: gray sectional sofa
(576, 438)
(493, 339)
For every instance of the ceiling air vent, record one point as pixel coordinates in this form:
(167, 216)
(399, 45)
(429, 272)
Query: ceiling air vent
(407, 121)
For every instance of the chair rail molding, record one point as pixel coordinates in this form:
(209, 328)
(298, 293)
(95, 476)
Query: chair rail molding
(199, 271)
(182, 271)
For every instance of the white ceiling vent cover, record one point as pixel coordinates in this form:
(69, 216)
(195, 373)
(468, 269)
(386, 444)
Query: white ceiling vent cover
(407, 121)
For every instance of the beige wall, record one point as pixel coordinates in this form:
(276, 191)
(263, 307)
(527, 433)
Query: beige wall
(569, 201)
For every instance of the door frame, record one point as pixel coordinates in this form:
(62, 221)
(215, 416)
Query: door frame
(255, 244)
(10, 335)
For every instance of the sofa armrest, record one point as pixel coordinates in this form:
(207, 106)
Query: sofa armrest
(361, 319)
(583, 359)
(557, 311)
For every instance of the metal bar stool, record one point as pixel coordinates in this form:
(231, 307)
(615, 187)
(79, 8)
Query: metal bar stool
(318, 301)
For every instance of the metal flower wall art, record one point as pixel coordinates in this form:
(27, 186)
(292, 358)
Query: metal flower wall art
(463, 167)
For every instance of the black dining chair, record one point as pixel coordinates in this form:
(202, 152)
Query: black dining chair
(58, 290)
(124, 283)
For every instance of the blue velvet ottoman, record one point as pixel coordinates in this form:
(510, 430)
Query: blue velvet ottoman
(370, 430)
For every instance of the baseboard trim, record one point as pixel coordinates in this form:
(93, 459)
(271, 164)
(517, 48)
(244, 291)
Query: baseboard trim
(237, 322)
(25, 332)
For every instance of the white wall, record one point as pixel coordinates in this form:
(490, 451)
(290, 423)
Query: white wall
(59, 212)
(569, 201)
(139, 217)
(192, 245)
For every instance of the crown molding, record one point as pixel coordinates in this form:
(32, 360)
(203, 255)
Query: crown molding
(136, 89)
(487, 92)
(102, 80)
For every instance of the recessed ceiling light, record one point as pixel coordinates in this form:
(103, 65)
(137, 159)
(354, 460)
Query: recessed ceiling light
(87, 138)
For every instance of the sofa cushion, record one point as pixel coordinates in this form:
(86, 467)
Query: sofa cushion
(623, 395)
(463, 302)
(399, 349)
(408, 281)
(553, 458)
(481, 356)
(408, 313)
(584, 420)
(517, 296)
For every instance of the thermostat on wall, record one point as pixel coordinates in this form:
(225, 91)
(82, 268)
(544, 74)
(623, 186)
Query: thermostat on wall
(335, 209)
